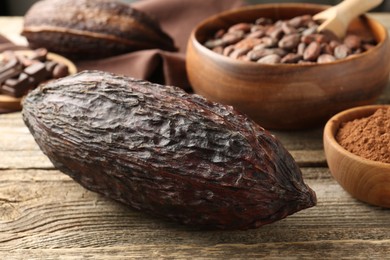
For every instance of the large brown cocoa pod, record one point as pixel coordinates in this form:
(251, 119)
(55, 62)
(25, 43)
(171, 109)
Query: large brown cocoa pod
(85, 29)
(165, 152)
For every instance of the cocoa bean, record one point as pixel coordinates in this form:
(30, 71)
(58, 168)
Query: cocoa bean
(357, 51)
(352, 41)
(219, 33)
(269, 42)
(305, 62)
(228, 50)
(243, 58)
(307, 20)
(301, 48)
(326, 49)
(325, 58)
(341, 51)
(329, 36)
(279, 51)
(218, 49)
(314, 38)
(333, 44)
(211, 44)
(245, 27)
(270, 59)
(237, 52)
(263, 21)
(295, 22)
(255, 55)
(367, 46)
(248, 43)
(232, 37)
(256, 34)
(256, 28)
(312, 51)
(291, 58)
(290, 41)
(260, 46)
(165, 152)
(288, 29)
(276, 33)
(309, 31)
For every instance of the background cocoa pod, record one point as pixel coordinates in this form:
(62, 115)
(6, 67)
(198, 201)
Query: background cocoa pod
(165, 152)
(88, 29)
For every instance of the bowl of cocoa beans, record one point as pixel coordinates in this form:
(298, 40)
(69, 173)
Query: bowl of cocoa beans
(270, 62)
(356, 143)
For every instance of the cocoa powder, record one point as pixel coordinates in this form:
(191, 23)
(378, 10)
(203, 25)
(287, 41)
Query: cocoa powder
(368, 137)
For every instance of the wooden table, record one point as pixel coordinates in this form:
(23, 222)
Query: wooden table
(44, 214)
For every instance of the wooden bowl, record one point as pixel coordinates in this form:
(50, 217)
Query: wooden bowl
(14, 104)
(364, 179)
(287, 96)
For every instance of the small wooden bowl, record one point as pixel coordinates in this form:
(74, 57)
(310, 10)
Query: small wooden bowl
(364, 179)
(287, 96)
(14, 104)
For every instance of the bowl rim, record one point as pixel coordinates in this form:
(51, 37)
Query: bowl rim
(193, 38)
(333, 124)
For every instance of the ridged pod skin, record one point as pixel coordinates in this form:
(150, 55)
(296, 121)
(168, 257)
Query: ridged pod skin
(165, 152)
(90, 29)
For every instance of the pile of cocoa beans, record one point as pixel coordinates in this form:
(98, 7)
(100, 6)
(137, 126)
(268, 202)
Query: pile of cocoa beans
(285, 41)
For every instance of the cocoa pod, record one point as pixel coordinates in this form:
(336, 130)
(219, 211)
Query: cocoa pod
(165, 152)
(83, 29)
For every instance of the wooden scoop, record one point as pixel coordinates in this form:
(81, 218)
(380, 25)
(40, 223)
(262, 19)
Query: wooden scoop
(337, 18)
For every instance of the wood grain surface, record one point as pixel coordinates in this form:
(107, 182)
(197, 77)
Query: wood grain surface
(46, 215)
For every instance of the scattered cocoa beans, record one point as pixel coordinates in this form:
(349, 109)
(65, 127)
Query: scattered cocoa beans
(285, 41)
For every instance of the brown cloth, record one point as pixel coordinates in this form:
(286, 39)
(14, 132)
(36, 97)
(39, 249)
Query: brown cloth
(177, 18)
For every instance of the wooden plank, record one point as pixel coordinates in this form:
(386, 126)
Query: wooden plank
(362, 249)
(42, 210)
(24, 160)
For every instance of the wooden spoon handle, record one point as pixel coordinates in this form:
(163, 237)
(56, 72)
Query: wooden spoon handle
(350, 9)
(338, 18)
